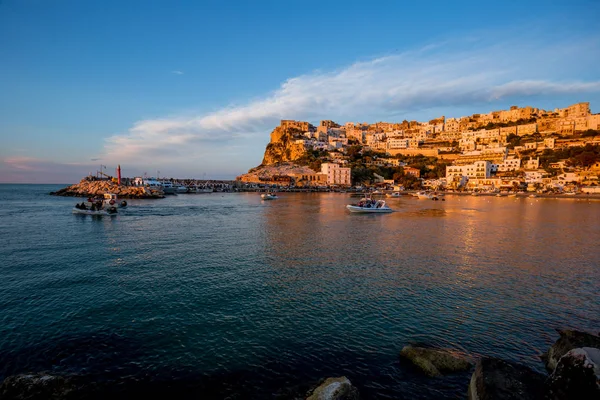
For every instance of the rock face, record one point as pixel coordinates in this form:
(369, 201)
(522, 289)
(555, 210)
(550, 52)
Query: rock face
(435, 362)
(283, 146)
(265, 173)
(569, 340)
(335, 389)
(36, 386)
(87, 188)
(577, 375)
(496, 379)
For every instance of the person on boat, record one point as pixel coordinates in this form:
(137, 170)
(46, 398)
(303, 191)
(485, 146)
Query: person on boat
(93, 207)
(83, 207)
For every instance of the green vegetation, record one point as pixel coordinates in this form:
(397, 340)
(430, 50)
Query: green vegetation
(312, 159)
(580, 156)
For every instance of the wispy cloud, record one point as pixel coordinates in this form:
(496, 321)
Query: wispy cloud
(388, 87)
(34, 170)
(177, 72)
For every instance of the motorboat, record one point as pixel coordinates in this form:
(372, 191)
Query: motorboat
(102, 212)
(95, 208)
(424, 195)
(110, 199)
(394, 195)
(181, 189)
(269, 196)
(369, 206)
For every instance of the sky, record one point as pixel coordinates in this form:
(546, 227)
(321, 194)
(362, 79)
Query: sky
(192, 89)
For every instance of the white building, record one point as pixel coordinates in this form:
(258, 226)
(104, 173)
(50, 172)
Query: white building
(477, 170)
(336, 175)
(509, 164)
(395, 143)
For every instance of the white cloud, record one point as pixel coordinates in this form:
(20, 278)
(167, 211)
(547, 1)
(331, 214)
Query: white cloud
(177, 72)
(389, 87)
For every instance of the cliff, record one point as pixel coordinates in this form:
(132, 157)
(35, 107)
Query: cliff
(283, 146)
(86, 188)
(268, 173)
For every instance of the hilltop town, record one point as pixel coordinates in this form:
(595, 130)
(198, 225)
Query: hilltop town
(515, 149)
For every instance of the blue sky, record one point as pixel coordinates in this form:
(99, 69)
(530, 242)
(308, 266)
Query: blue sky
(193, 88)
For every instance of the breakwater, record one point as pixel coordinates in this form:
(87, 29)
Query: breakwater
(89, 188)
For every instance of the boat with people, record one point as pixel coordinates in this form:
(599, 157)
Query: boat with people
(269, 196)
(110, 199)
(368, 205)
(94, 208)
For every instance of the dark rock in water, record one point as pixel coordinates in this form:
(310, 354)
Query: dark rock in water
(496, 379)
(334, 389)
(577, 376)
(36, 386)
(569, 340)
(435, 362)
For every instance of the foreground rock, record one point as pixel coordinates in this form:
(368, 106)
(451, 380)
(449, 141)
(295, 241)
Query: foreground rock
(577, 375)
(496, 379)
(569, 340)
(435, 362)
(36, 386)
(87, 188)
(335, 389)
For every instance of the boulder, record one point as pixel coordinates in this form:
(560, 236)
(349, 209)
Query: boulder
(495, 379)
(576, 376)
(36, 386)
(569, 340)
(435, 362)
(334, 389)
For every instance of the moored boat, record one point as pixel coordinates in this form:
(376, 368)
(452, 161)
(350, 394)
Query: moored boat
(394, 195)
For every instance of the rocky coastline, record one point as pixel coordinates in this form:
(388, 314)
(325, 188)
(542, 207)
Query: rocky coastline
(89, 188)
(573, 362)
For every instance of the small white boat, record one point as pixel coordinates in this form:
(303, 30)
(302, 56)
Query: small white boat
(268, 196)
(110, 199)
(533, 195)
(394, 195)
(95, 212)
(424, 195)
(369, 206)
(512, 195)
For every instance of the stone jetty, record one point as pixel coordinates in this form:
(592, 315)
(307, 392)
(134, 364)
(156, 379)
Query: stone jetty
(90, 188)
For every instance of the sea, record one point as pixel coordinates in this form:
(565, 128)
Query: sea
(226, 296)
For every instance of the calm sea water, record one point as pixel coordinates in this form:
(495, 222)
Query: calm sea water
(227, 296)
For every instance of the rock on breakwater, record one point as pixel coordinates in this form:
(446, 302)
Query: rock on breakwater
(86, 188)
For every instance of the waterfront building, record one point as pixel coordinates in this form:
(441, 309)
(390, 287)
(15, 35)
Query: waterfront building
(478, 170)
(336, 175)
